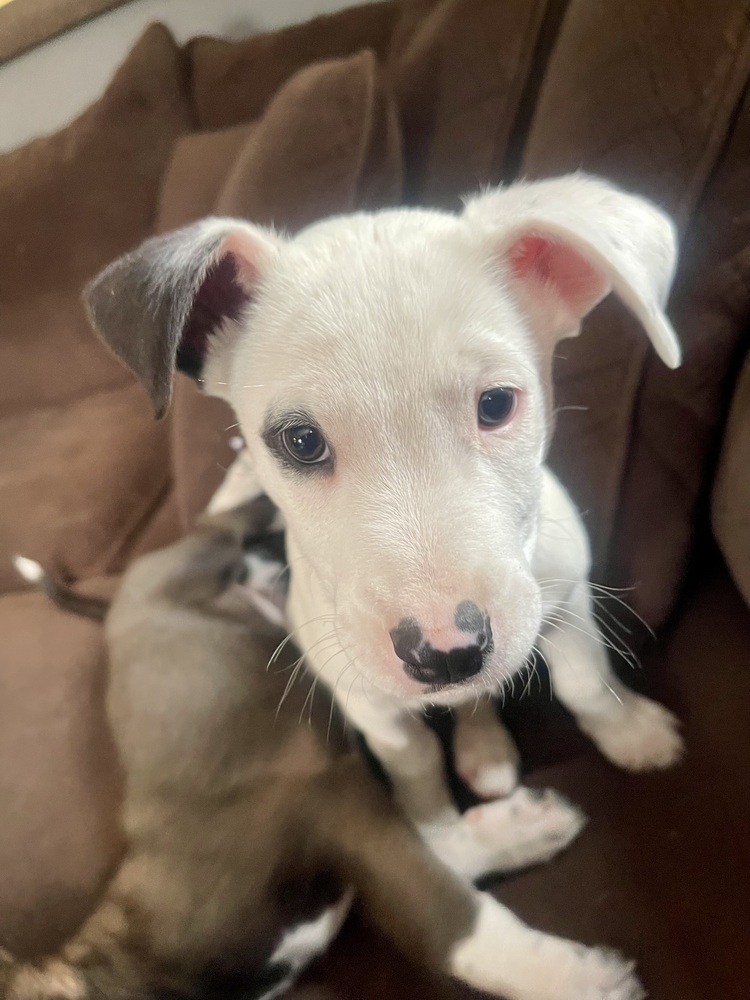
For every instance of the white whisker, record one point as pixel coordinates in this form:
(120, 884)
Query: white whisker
(311, 696)
(554, 646)
(295, 673)
(277, 652)
(607, 637)
(577, 409)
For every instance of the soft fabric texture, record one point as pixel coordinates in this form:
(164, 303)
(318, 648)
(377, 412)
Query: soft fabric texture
(82, 464)
(59, 780)
(83, 467)
(460, 71)
(731, 494)
(233, 82)
(417, 101)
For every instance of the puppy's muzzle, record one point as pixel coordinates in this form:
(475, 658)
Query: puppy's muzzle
(429, 662)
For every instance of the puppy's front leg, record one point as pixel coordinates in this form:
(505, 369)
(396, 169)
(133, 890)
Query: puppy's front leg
(413, 758)
(486, 757)
(632, 731)
(526, 828)
(504, 957)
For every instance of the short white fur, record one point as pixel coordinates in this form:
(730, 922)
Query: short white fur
(385, 328)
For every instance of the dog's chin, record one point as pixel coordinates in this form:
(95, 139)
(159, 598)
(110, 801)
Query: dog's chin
(488, 682)
(453, 694)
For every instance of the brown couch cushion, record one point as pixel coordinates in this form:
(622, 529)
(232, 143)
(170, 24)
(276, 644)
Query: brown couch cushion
(196, 171)
(460, 69)
(328, 142)
(731, 493)
(78, 482)
(59, 782)
(233, 82)
(81, 462)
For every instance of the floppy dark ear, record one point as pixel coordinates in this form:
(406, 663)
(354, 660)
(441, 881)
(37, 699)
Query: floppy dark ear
(161, 307)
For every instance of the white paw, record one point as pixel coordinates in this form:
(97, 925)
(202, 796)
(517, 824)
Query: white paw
(486, 759)
(574, 972)
(642, 737)
(529, 827)
(505, 957)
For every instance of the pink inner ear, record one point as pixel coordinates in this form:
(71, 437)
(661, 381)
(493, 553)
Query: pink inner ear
(245, 252)
(559, 268)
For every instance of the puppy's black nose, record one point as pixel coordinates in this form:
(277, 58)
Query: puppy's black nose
(427, 665)
(439, 668)
(406, 638)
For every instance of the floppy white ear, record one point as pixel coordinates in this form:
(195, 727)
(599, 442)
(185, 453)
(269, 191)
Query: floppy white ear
(564, 244)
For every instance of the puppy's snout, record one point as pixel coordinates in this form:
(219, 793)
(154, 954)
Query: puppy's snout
(447, 656)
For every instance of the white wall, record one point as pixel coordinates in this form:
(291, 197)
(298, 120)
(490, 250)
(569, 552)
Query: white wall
(48, 86)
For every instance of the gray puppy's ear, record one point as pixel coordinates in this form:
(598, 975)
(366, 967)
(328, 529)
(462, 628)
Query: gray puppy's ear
(173, 303)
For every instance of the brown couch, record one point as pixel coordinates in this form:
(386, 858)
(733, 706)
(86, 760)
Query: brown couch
(415, 101)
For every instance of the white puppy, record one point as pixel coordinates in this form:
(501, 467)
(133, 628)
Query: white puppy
(391, 376)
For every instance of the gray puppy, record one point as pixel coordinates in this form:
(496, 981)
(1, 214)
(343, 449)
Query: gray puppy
(248, 835)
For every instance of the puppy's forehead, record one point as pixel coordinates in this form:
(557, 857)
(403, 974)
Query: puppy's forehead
(394, 283)
(372, 315)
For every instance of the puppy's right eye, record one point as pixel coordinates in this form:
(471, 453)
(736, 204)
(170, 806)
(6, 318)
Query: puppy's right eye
(496, 407)
(305, 444)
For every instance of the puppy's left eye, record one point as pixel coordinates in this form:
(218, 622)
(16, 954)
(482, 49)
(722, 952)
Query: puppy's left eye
(305, 444)
(496, 407)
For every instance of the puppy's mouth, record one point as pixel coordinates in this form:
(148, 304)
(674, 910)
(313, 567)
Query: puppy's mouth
(447, 688)
(450, 694)
(425, 686)
(494, 675)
